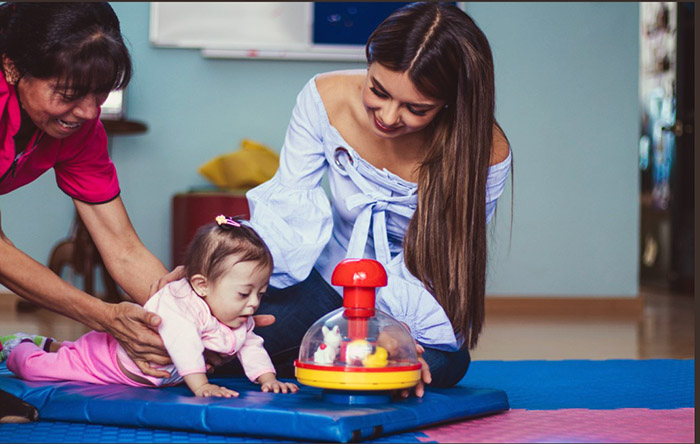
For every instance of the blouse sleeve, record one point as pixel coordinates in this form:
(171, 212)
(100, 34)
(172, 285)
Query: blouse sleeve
(496, 183)
(291, 211)
(406, 299)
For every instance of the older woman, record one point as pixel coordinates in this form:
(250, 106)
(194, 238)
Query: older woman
(59, 63)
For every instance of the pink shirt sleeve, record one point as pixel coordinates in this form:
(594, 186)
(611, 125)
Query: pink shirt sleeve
(83, 168)
(180, 328)
(252, 354)
(188, 327)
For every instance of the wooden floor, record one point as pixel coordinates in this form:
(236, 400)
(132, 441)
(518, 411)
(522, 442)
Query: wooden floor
(664, 329)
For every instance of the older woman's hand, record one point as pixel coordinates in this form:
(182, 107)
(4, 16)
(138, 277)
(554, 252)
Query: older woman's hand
(136, 330)
(175, 275)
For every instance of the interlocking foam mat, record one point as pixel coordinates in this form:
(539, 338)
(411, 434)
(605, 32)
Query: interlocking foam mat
(551, 401)
(572, 425)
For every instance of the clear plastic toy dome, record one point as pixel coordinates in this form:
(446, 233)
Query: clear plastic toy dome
(357, 346)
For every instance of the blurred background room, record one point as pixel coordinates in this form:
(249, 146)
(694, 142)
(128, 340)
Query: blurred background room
(592, 248)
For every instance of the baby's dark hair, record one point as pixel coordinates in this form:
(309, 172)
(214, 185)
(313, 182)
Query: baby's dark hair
(214, 243)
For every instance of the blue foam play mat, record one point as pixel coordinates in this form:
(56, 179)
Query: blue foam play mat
(304, 415)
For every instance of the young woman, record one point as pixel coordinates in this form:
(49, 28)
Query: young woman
(415, 162)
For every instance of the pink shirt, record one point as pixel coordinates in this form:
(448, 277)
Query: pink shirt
(81, 163)
(189, 327)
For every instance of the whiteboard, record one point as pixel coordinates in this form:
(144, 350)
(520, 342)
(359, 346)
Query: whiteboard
(273, 30)
(223, 24)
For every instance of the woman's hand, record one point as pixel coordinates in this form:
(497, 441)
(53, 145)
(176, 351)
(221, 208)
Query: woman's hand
(425, 377)
(136, 330)
(392, 346)
(175, 275)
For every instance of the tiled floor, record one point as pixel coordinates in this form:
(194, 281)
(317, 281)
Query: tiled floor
(666, 329)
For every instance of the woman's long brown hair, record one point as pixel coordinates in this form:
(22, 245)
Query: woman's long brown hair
(447, 57)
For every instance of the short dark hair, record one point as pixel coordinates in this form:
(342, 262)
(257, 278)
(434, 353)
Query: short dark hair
(213, 244)
(79, 43)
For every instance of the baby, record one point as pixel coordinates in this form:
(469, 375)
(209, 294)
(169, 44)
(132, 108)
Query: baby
(228, 267)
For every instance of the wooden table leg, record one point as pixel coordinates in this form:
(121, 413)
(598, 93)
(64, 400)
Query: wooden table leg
(79, 252)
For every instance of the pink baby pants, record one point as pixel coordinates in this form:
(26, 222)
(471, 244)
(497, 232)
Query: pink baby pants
(91, 358)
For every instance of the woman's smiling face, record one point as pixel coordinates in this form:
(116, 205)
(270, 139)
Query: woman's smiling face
(52, 111)
(394, 106)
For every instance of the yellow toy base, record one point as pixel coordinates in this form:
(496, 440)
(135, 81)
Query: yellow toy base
(346, 380)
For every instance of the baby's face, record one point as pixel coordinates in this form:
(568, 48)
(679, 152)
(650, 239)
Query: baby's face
(237, 294)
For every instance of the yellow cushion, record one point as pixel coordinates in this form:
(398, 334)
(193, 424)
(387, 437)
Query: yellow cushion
(253, 164)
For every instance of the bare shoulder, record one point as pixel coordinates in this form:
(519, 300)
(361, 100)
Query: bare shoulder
(335, 85)
(339, 90)
(328, 82)
(501, 147)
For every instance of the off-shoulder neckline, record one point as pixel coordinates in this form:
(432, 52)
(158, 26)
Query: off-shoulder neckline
(381, 172)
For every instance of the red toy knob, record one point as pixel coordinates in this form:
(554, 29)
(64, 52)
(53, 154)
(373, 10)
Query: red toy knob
(360, 277)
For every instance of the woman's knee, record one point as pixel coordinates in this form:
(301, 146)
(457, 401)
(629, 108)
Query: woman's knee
(447, 368)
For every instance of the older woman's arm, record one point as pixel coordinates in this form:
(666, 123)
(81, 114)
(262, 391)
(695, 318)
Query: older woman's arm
(127, 259)
(134, 268)
(128, 322)
(33, 281)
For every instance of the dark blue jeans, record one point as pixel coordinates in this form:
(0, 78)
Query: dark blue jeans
(297, 307)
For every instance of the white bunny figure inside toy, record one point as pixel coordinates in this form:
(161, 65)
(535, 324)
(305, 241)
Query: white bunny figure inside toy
(328, 350)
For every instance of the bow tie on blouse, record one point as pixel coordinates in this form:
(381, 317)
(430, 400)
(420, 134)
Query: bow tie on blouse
(374, 206)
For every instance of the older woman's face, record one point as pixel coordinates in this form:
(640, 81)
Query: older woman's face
(52, 111)
(394, 106)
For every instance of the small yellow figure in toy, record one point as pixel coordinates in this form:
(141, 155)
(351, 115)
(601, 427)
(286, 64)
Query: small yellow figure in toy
(380, 358)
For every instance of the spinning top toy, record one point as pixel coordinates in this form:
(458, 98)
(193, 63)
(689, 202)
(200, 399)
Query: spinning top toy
(358, 348)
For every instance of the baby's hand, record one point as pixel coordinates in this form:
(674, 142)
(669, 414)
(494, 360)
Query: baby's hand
(278, 386)
(268, 383)
(208, 390)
